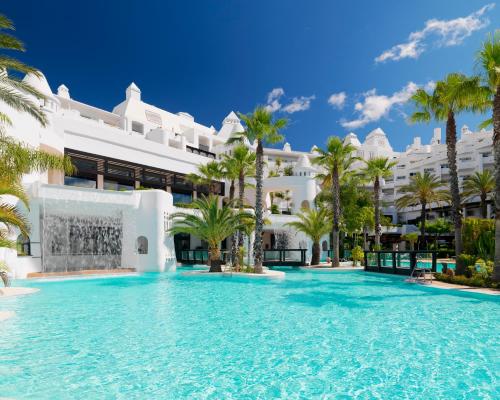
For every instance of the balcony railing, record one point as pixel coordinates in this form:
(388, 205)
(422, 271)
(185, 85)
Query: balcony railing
(201, 152)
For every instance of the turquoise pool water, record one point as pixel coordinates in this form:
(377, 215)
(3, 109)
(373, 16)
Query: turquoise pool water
(316, 335)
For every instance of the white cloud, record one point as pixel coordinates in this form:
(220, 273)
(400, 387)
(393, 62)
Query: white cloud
(273, 98)
(337, 100)
(301, 103)
(445, 33)
(375, 106)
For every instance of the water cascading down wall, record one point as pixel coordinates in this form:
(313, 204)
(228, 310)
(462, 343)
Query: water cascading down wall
(77, 242)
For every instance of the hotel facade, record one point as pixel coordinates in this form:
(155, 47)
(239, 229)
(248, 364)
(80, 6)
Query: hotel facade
(102, 216)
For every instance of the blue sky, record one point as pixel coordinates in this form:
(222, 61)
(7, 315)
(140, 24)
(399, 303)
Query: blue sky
(211, 57)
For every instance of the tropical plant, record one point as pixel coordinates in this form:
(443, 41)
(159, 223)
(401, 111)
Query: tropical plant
(207, 175)
(437, 228)
(314, 223)
(263, 128)
(16, 159)
(358, 255)
(288, 170)
(455, 94)
(239, 165)
(411, 238)
(478, 237)
(375, 169)
(13, 91)
(423, 189)
(210, 223)
(479, 184)
(335, 160)
(489, 59)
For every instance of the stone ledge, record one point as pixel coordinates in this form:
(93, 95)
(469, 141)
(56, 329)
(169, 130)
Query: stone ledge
(269, 274)
(16, 291)
(462, 288)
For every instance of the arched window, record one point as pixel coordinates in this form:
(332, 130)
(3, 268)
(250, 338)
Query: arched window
(305, 205)
(324, 245)
(142, 245)
(23, 246)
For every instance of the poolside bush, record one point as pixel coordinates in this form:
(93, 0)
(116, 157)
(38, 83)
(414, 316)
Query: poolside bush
(478, 237)
(476, 280)
(358, 255)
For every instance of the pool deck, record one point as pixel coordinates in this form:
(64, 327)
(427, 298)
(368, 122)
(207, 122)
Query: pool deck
(16, 291)
(463, 288)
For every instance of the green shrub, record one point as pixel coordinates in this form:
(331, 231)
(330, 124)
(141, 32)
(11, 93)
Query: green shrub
(478, 237)
(467, 259)
(476, 280)
(358, 254)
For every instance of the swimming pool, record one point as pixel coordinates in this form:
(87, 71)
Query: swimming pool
(321, 334)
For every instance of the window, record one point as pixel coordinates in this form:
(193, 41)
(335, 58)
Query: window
(324, 245)
(182, 197)
(401, 177)
(80, 182)
(443, 166)
(142, 245)
(117, 185)
(137, 127)
(23, 246)
(305, 205)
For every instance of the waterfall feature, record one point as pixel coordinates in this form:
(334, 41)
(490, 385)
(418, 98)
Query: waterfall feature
(77, 242)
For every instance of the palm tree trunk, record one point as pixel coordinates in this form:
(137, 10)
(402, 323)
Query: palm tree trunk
(456, 214)
(484, 207)
(257, 244)
(423, 217)
(365, 238)
(316, 251)
(336, 216)
(496, 147)
(378, 228)
(241, 196)
(215, 261)
(234, 238)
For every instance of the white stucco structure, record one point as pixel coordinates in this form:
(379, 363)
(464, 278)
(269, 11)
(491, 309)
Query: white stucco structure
(138, 144)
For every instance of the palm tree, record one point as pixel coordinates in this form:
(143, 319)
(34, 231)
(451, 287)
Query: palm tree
(335, 159)
(207, 175)
(375, 169)
(455, 94)
(489, 59)
(480, 184)
(10, 215)
(210, 223)
(13, 91)
(422, 190)
(263, 128)
(237, 166)
(314, 223)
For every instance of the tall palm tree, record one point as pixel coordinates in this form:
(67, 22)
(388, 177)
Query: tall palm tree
(210, 223)
(207, 175)
(263, 128)
(455, 94)
(479, 184)
(375, 169)
(423, 189)
(314, 223)
(238, 166)
(489, 59)
(13, 91)
(335, 159)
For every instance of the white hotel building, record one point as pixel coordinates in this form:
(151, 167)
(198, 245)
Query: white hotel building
(96, 218)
